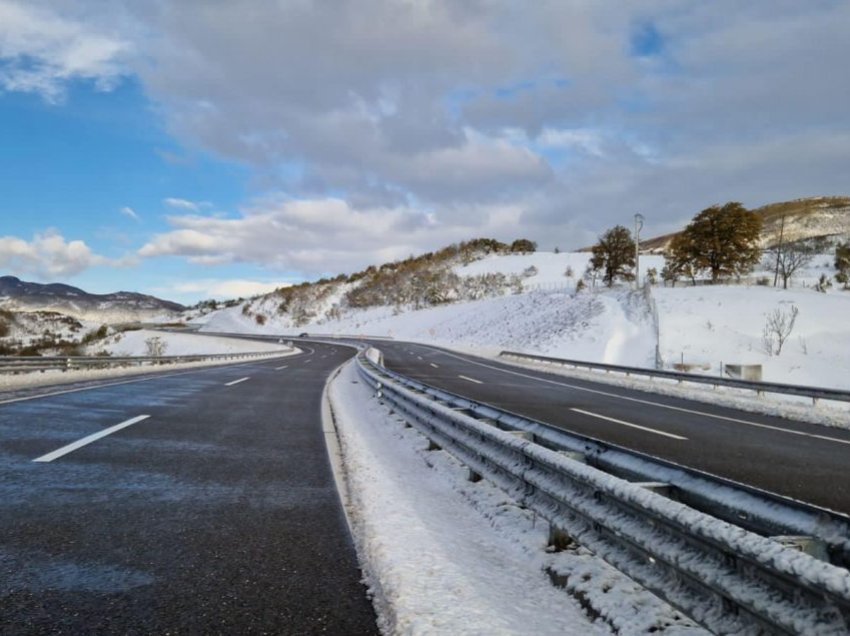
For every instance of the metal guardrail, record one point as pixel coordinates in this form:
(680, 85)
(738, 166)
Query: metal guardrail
(725, 577)
(27, 364)
(815, 393)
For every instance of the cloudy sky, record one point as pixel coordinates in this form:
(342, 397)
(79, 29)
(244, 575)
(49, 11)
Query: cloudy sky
(215, 148)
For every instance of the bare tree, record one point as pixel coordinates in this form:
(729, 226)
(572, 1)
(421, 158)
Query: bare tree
(156, 346)
(777, 328)
(789, 259)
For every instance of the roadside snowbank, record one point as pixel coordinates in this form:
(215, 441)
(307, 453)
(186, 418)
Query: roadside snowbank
(133, 344)
(445, 556)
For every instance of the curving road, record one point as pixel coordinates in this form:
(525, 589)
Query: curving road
(796, 459)
(194, 502)
(203, 501)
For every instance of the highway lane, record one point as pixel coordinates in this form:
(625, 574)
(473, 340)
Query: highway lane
(795, 459)
(216, 513)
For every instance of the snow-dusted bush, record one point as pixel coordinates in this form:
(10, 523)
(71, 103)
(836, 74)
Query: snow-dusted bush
(155, 347)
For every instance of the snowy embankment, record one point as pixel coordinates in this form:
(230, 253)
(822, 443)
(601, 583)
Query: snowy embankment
(132, 343)
(702, 326)
(714, 324)
(442, 555)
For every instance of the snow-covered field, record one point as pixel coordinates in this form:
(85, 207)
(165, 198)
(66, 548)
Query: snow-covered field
(134, 343)
(442, 555)
(709, 325)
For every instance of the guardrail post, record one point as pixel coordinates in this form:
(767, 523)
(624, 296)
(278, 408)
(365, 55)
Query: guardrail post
(559, 539)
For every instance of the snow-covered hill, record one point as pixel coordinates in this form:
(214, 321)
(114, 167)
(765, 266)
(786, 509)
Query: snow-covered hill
(703, 325)
(22, 296)
(825, 218)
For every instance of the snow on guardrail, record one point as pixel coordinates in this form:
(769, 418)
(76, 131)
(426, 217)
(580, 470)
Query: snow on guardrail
(815, 393)
(725, 577)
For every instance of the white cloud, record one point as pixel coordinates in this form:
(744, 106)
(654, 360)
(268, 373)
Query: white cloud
(181, 204)
(428, 122)
(221, 289)
(129, 212)
(393, 103)
(323, 236)
(48, 256)
(41, 51)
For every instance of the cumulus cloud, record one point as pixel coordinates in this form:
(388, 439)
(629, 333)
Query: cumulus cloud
(392, 103)
(437, 121)
(42, 51)
(321, 236)
(47, 256)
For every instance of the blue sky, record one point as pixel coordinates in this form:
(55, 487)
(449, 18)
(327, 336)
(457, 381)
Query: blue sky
(194, 149)
(100, 166)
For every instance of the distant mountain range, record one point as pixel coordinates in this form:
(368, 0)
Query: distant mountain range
(810, 218)
(122, 306)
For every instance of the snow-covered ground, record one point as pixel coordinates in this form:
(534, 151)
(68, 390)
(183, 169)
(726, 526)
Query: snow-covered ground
(703, 325)
(134, 343)
(713, 324)
(442, 555)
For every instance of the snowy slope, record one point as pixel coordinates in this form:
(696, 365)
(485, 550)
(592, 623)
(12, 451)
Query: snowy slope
(710, 325)
(703, 325)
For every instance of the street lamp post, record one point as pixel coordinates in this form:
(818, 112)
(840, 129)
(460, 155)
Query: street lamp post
(638, 227)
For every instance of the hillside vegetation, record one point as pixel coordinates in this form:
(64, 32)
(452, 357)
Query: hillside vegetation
(825, 218)
(416, 282)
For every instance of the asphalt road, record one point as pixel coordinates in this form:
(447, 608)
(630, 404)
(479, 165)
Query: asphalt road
(799, 460)
(215, 514)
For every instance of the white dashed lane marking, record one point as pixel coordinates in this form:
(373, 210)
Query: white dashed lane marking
(630, 425)
(59, 452)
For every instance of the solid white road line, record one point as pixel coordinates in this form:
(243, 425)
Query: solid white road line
(651, 403)
(630, 425)
(237, 381)
(436, 366)
(463, 377)
(281, 368)
(88, 440)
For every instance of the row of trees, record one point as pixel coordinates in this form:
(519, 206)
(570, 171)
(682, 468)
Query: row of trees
(721, 241)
